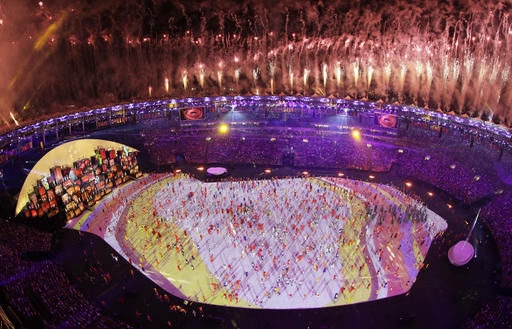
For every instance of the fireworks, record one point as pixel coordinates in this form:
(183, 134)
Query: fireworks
(14, 119)
(454, 61)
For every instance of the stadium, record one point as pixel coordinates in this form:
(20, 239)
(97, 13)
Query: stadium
(282, 172)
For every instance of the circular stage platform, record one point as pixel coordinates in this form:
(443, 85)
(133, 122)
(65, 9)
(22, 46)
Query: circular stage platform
(461, 253)
(217, 171)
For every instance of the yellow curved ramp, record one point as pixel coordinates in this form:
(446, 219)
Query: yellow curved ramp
(63, 155)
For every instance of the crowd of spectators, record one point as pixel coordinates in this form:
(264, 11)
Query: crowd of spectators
(470, 185)
(260, 151)
(497, 214)
(14, 241)
(38, 290)
(271, 147)
(496, 314)
(456, 178)
(193, 148)
(163, 152)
